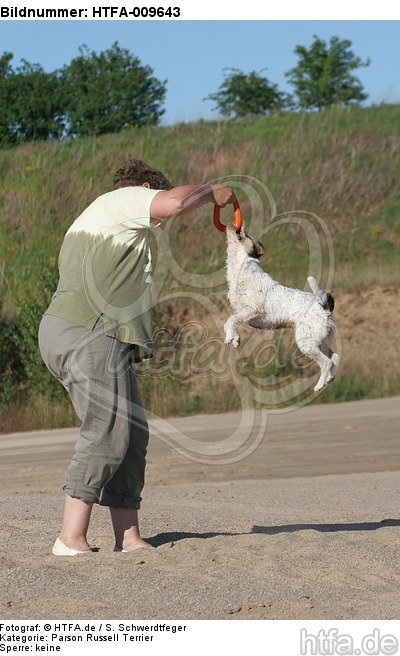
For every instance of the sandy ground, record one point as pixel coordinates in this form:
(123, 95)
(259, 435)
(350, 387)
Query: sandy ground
(305, 527)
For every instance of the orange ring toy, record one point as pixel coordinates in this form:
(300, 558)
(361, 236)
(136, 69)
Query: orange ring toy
(238, 217)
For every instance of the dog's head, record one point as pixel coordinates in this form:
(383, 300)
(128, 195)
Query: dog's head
(252, 248)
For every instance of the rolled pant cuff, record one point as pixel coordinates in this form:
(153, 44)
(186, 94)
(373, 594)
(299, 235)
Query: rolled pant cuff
(82, 492)
(119, 501)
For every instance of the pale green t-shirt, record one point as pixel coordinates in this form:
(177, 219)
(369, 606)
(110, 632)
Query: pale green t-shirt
(105, 268)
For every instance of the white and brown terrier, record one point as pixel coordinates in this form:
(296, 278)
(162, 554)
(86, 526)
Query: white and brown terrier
(261, 302)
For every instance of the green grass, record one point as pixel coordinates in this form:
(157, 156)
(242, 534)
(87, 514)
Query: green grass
(342, 165)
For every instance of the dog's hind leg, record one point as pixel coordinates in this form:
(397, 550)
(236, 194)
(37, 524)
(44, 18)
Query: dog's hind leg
(325, 365)
(334, 358)
(311, 349)
(326, 348)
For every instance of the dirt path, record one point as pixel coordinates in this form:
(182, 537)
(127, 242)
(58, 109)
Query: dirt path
(306, 527)
(313, 441)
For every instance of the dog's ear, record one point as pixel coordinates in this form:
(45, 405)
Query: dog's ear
(260, 249)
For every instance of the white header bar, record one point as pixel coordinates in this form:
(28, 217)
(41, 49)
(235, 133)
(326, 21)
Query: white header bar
(172, 10)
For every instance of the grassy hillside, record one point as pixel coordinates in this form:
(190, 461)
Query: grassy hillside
(340, 165)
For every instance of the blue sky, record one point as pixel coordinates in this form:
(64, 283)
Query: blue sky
(192, 54)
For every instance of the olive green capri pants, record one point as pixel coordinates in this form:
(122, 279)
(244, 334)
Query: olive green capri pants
(109, 460)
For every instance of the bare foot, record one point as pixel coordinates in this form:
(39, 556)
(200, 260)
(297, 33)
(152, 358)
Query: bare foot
(133, 545)
(126, 530)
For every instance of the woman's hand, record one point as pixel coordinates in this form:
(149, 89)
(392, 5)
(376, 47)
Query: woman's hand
(223, 195)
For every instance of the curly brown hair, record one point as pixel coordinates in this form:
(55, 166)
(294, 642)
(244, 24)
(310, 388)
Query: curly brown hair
(135, 172)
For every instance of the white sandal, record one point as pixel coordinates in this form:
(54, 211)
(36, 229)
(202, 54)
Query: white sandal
(60, 549)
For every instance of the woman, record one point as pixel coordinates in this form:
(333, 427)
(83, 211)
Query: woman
(97, 324)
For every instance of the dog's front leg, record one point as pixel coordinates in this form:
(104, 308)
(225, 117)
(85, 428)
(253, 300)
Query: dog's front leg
(231, 334)
(242, 316)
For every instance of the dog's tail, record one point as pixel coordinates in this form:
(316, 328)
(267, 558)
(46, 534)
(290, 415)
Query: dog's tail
(325, 298)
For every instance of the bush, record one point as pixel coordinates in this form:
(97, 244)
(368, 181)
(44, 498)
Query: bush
(23, 374)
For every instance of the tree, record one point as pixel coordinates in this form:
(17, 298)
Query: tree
(30, 103)
(242, 95)
(37, 104)
(323, 77)
(94, 94)
(110, 91)
(6, 71)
